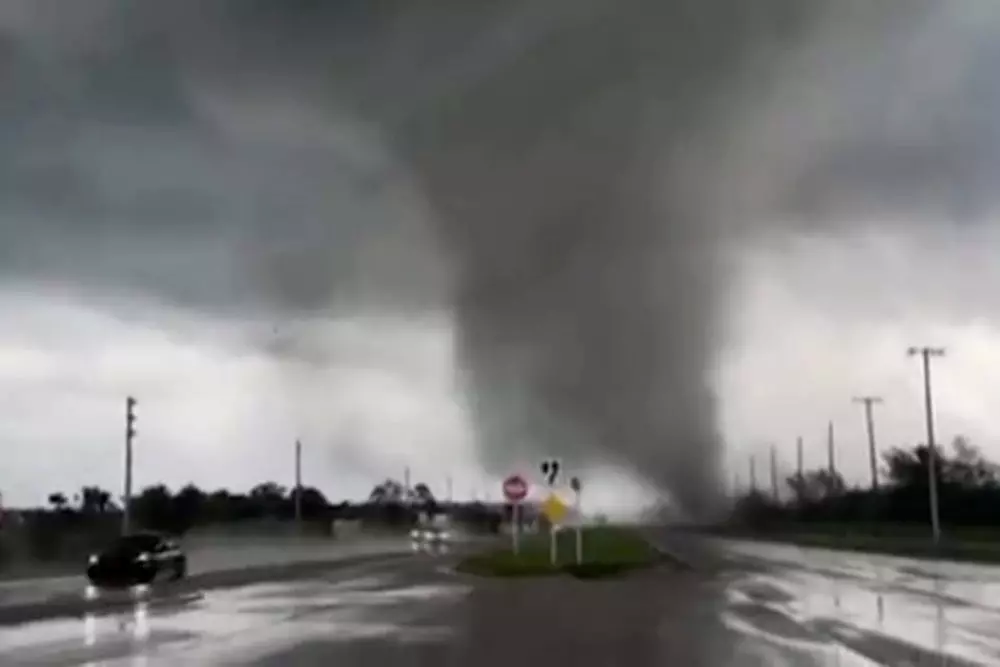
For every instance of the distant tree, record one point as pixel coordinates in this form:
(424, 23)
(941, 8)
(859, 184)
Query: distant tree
(389, 491)
(189, 506)
(58, 501)
(269, 491)
(268, 498)
(314, 503)
(422, 493)
(219, 506)
(816, 485)
(906, 467)
(153, 508)
(967, 468)
(94, 500)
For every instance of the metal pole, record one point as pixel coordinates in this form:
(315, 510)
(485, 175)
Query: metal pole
(926, 353)
(130, 403)
(799, 470)
(298, 482)
(516, 528)
(579, 529)
(127, 510)
(774, 474)
(868, 402)
(799, 457)
(753, 474)
(831, 460)
(553, 553)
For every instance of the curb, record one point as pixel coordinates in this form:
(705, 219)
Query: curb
(686, 561)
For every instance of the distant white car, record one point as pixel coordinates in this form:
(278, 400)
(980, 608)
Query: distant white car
(436, 530)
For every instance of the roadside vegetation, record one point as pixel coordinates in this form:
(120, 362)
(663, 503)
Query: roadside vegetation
(818, 509)
(36, 541)
(607, 551)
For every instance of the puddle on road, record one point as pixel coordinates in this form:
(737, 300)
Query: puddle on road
(280, 617)
(251, 618)
(871, 620)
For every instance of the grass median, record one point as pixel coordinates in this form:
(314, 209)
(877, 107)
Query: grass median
(607, 551)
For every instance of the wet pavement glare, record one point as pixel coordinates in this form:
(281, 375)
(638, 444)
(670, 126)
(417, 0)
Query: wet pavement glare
(775, 605)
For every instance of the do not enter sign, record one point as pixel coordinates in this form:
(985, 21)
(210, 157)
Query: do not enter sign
(515, 488)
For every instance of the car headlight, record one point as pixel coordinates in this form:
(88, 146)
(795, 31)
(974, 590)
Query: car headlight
(444, 535)
(93, 559)
(142, 558)
(414, 534)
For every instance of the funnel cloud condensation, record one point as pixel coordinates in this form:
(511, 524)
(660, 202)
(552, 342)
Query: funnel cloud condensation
(584, 171)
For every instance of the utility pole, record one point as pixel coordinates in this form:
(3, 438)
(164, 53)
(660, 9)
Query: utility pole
(800, 476)
(449, 490)
(130, 432)
(799, 459)
(925, 354)
(298, 483)
(830, 451)
(868, 402)
(407, 495)
(774, 474)
(753, 474)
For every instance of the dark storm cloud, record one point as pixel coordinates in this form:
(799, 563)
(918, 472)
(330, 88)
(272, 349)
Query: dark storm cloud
(580, 160)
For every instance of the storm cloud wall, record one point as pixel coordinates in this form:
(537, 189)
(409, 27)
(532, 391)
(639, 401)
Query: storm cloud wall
(585, 172)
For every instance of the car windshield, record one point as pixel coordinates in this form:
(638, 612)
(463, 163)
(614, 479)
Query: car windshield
(136, 543)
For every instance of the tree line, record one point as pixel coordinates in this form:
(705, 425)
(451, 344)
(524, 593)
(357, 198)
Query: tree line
(158, 508)
(71, 526)
(968, 487)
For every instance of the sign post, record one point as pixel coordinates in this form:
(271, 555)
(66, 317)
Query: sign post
(577, 487)
(515, 489)
(555, 511)
(550, 472)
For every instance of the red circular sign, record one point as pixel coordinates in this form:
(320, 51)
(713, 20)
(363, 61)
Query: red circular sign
(515, 488)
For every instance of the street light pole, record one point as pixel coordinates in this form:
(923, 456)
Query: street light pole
(868, 402)
(925, 354)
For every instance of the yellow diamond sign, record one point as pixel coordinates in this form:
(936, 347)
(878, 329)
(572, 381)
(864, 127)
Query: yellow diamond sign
(555, 509)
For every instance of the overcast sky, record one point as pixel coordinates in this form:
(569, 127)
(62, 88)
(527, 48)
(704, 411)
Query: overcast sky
(188, 218)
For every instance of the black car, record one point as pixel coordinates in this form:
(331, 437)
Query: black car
(139, 558)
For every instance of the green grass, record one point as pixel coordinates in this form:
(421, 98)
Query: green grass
(607, 551)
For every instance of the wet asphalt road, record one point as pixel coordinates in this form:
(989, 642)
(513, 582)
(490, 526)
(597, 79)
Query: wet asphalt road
(762, 605)
(209, 557)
